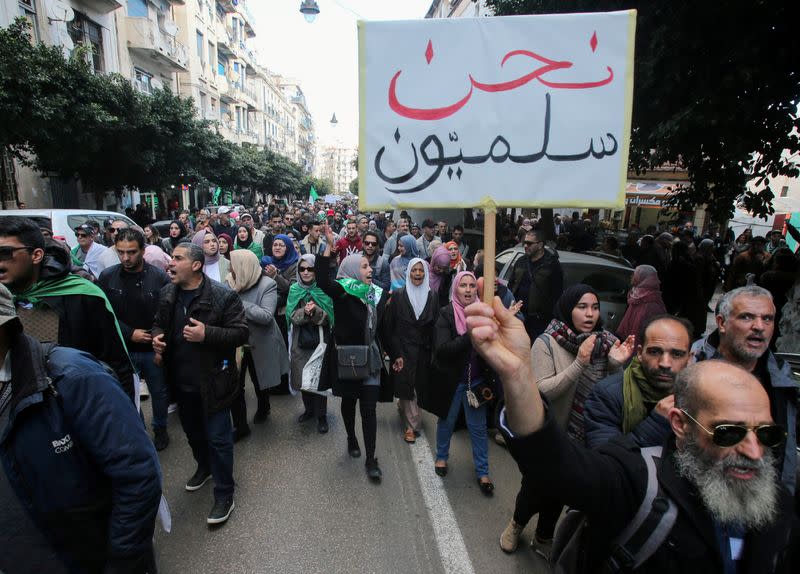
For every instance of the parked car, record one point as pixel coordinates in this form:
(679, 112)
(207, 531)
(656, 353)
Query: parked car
(610, 279)
(64, 221)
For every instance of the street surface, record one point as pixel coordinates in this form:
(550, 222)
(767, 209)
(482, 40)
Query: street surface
(304, 506)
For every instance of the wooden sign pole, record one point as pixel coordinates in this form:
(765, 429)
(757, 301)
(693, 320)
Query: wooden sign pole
(489, 243)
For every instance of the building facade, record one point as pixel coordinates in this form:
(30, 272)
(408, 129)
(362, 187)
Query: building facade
(196, 48)
(336, 166)
(458, 9)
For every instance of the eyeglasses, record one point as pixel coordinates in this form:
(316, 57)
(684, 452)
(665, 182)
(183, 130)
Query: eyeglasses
(370, 243)
(306, 269)
(81, 235)
(7, 253)
(727, 435)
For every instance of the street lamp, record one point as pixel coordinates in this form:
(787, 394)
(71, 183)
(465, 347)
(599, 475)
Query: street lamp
(309, 9)
(334, 121)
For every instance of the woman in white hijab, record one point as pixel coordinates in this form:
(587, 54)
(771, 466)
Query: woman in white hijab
(410, 318)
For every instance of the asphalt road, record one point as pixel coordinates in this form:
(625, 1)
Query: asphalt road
(304, 506)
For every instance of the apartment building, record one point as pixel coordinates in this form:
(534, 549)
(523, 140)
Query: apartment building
(458, 9)
(198, 48)
(336, 166)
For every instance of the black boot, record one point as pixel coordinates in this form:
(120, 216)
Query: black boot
(352, 447)
(373, 470)
(263, 407)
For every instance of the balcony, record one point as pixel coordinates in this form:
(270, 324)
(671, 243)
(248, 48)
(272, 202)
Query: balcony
(225, 42)
(147, 39)
(247, 17)
(103, 6)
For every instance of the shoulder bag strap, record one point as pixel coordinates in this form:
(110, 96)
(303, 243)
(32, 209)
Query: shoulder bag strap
(650, 526)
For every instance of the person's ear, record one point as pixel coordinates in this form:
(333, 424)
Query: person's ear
(198, 265)
(37, 255)
(679, 423)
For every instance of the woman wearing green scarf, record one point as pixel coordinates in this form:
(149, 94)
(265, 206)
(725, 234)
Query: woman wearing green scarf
(358, 308)
(309, 314)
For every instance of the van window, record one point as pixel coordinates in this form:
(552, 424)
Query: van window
(502, 260)
(79, 219)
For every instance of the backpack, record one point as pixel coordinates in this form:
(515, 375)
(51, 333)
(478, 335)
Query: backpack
(643, 535)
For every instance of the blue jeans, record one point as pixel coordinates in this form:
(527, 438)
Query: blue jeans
(154, 376)
(476, 424)
(211, 440)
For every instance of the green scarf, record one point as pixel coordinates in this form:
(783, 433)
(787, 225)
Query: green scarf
(636, 391)
(74, 255)
(69, 285)
(369, 294)
(300, 294)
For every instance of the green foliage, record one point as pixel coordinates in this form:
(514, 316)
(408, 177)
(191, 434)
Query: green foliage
(716, 90)
(62, 119)
(354, 186)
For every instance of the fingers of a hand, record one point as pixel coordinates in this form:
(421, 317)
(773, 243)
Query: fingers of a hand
(193, 321)
(484, 333)
(478, 309)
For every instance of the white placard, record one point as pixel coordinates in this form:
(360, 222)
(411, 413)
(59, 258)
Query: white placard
(516, 111)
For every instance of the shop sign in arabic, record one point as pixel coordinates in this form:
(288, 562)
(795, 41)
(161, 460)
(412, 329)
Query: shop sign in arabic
(527, 128)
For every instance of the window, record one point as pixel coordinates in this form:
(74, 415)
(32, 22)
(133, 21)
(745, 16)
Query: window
(85, 31)
(200, 44)
(212, 53)
(27, 9)
(203, 105)
(213, 109)
(784, 191)
(142, 81)
(238, 119)
(137, 8)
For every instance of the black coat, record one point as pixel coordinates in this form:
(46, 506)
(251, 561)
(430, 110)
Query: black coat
(451, 355)
(350, 315)
(134, 310)
(221, 310)
(411, 339)
(609, 484)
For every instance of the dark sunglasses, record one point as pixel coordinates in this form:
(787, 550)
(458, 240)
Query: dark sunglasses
(727, 435)
(81, 235)
(7, 253)
(306, 269)
(370, 242)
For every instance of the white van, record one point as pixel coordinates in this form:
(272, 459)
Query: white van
(64, 221)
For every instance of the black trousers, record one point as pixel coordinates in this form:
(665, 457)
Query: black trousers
(530, 502)
(315, 404)
(239, 407)
(367, 399)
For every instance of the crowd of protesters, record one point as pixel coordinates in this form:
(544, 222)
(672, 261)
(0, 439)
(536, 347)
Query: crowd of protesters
(323, 300)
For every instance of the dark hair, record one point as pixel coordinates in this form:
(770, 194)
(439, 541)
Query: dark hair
(193, 251)
(155, 235)
(313, 223)
(374, 234)
(663, 317)
(24, 229)
(457, 227)
(130, 234)
(612, 241)
(536, 233)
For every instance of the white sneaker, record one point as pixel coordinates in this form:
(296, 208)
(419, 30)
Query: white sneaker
(173, 407)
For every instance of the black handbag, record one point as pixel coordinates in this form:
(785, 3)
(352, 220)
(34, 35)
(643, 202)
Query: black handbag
(308, 337)
(352, 362)
(480, 394)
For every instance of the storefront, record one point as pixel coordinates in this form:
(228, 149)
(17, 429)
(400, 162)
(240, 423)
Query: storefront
(644, 206)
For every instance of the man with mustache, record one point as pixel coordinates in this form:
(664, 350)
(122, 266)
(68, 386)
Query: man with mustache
(638, 399)
(733, 515)
(745, 322)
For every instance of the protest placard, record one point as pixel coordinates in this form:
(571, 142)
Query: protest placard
(523, 111)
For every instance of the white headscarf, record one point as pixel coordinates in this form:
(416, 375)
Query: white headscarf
(417, 294)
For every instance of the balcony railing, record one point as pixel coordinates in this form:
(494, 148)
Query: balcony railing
(146, 37)
(103, 6)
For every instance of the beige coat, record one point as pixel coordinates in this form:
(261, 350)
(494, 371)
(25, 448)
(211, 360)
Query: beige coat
(556, 372)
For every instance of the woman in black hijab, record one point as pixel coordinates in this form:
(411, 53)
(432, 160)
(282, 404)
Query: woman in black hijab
(177, 234)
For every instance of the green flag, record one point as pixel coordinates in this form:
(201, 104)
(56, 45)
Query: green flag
(313, 195)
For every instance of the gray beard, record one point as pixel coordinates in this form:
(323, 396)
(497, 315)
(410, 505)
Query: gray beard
(752, 504)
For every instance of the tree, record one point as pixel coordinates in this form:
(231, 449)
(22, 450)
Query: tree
(716, 90)
(354, 186)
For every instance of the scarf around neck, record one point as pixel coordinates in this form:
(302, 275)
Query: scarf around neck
(637, 392)
(300, 293)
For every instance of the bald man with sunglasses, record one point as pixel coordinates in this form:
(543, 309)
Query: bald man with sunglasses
(717, 470)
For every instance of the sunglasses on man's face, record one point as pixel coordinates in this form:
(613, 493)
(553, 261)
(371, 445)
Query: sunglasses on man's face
(7, 253)
(306, 269)
(728, 435)
(370, 243)
(81, 235)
